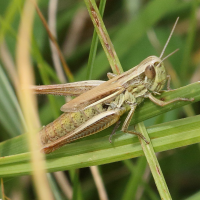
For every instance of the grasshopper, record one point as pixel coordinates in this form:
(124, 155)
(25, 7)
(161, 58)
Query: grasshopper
(100, 104)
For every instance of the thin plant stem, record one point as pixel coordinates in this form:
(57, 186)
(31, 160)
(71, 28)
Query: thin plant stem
(99, 183)
(104, 37)
(153, 163)
(25, 72)
(62, 59)
(94, 43)
(64, 184)
(52, 11)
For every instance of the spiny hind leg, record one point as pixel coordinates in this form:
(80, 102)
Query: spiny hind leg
(127, 122)
(93, 125)
(114, 130)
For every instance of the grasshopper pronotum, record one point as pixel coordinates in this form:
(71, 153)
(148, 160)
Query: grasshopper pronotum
(100, 104)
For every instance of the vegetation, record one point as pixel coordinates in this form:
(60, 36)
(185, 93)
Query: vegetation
(137, 29)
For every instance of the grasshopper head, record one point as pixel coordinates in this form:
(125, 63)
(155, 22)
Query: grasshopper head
(155, 74)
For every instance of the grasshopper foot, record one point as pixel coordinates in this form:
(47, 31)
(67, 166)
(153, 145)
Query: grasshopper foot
(138, 134)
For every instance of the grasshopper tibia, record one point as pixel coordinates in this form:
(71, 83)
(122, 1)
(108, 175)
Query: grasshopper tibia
(127, 122)
(138, 134)
(114, 131)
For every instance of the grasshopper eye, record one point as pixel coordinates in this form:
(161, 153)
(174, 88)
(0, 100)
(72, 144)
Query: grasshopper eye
(150, 72)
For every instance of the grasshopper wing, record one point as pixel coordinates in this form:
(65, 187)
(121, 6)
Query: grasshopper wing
(68, 89)
(103, 93)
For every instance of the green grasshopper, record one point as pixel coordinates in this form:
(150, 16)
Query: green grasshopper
(100, 104)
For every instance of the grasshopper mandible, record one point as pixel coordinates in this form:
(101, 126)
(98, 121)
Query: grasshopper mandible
(101, 103)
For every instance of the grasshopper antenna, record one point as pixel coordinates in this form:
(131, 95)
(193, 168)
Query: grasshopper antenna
(169, 55)
(169, 40)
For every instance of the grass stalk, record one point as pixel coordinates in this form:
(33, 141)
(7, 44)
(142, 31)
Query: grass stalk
(27, 98)
(94, 43)
(153, 164)
(104, 37)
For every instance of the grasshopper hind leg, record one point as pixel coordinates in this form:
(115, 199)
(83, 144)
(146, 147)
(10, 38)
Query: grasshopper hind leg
(138, 134)
(127, 122)
(93, 125)
(114, 130)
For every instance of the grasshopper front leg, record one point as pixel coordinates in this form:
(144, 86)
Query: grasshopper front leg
(168, 82)
(162, 103)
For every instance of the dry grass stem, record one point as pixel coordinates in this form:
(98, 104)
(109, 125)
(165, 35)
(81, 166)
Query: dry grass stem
(9, 64)
(99, 183)
(52, 28)
(75, 30)
(28, 101)
(64, 184)
(62, 59)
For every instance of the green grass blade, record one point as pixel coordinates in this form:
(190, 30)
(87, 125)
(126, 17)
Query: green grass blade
(80, 154)
(11, 115)
(194, 197)
(153, 163)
